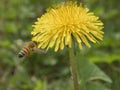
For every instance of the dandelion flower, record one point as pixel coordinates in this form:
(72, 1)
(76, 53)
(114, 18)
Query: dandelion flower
(65, 21)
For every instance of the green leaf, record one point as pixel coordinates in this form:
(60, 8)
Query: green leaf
(95, 86)
(88, 72)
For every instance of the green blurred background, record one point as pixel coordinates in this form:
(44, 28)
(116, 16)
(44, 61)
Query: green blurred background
(51, 70)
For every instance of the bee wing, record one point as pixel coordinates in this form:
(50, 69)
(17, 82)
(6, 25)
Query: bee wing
(41, 51)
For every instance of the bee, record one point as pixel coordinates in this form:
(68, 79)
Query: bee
(27, 49)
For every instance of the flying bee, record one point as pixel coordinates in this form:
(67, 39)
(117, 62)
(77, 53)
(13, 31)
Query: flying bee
(28, 48)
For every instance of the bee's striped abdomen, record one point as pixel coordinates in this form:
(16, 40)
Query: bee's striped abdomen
(21, 54)
(25, 51)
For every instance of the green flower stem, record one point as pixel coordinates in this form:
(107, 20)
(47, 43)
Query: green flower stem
(73, 68)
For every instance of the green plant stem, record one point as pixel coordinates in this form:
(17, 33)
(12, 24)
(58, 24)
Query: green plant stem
(73, 68)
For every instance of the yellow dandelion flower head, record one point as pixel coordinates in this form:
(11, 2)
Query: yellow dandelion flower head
(65, 21)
